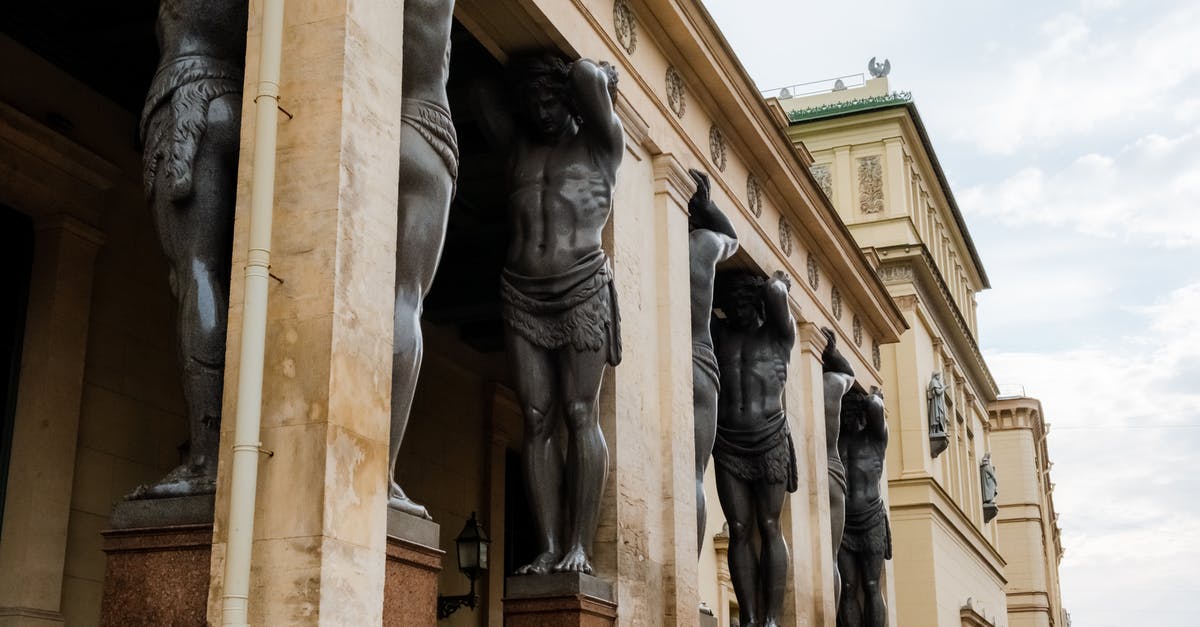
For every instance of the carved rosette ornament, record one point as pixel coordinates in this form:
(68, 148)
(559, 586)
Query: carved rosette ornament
(824, 178)
(870, 184)
(836, 299)
(716, 147)
(814, 273)
(785, 236)
(857, 331)
(876, 359)
(625, 26)
(754, 196)
(676, 98)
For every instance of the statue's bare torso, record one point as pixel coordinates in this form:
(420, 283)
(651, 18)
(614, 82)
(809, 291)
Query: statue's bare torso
(753, 373)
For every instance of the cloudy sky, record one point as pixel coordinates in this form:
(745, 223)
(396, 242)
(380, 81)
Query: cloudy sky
(1070, 131)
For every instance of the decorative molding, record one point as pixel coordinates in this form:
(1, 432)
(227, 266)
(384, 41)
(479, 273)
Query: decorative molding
(754, 196)
(637, 130)
(670, 177)
(716, 147)
(625, 26)
(824, 178)
(836, 302)
(814, 273)
(870, 184)
(785, 236)
(857, 328)
(676, 94)
(896, 273)
(858, 104)
(876, 359)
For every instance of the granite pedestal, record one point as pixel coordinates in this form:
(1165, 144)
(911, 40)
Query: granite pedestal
(559, 600)
(413, 563)
(158, 562)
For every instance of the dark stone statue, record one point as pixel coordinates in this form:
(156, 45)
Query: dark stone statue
(989, 487)
(711, 240)
(838, 376)
(867, 540)
(559, 302)
(935, 393)
(754, 456)
(428, 171)
(191, 124)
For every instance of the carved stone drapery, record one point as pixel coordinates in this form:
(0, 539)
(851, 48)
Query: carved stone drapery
(989, 487)
(716, 147)
(935, 396)
(754, 196)
(824, 178)
(836, 301)
(814, 273)
(785, 236)
(625, 26)
(676, 96)
(870, 184)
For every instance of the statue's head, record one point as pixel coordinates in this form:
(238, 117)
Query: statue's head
(854, 412)
(739, 295)
(540, 92)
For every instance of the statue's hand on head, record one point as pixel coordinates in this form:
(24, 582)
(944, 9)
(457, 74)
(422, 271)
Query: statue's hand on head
(782, 277)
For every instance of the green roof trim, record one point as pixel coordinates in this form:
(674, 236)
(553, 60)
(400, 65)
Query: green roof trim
(850, 106)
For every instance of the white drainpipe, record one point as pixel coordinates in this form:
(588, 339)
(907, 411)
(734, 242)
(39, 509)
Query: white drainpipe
(246, 444)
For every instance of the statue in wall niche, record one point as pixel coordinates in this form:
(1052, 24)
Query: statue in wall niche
(754, 456)
(711, 240)
(837, 376)
(559, 303)
(935, 394)
(191, 127)
(989, 487)
(428, 172)
(867, 539)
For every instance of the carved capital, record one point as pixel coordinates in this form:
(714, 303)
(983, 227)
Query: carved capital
(670, 177)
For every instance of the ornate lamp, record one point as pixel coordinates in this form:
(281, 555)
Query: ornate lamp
(472, 545)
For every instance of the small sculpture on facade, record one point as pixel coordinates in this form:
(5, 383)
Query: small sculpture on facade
(428, 172)
(879, 70)
(711, 240)
(935, 395)
(559, 303)
(754, 456)
(838, 376)
(191, 127)
(989, 488)
(867, 540)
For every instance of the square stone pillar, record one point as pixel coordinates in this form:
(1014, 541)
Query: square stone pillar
(320, 522)
(42, 467)
(410, 596)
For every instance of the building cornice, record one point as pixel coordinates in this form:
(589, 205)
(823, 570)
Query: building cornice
(930, 498)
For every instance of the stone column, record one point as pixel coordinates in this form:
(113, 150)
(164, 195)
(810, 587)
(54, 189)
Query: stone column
(806, 514)
(320, 522)
(41, 472)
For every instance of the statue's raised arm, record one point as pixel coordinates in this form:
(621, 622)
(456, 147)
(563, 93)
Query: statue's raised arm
(593, 93)
(876, 419)
(776, 310)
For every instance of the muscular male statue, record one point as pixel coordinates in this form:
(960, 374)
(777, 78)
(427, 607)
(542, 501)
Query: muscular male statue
(838, 376)
(428, 172)
(711, 240)
(754, 457)
(191, 125)
(867, 540)
(559, 303)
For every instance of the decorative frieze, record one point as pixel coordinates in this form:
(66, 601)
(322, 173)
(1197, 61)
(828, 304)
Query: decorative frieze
(824, 178)
(814, 273)
(870, 184)
(785, 236)
(625, 25)
(836, 299)
(876, 358)
(857, 328)
(896, 273)
(754, 196)
(676, 96)
(716, 147)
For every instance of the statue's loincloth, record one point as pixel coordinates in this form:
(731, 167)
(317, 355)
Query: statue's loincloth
(175, 118)
(576, 308)
(704, 362)
(762, 454)
(837, 474)
(433, 123)
(867, 531)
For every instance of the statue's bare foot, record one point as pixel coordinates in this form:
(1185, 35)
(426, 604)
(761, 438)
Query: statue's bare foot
(575, 561)
(541, 565)
(400, 502)
(192, 478)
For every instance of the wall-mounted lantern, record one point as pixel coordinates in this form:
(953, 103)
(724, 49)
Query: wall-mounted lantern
(472, 545)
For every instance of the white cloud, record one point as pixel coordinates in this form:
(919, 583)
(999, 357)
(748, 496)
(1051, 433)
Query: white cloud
(1147, 191)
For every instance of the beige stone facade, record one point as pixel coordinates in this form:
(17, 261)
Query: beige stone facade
(100, 407)
(1029, 535)
(875, 162)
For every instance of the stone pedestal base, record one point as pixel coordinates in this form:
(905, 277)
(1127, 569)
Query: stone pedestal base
(413, 563)
(559, 600)
(156, 576)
